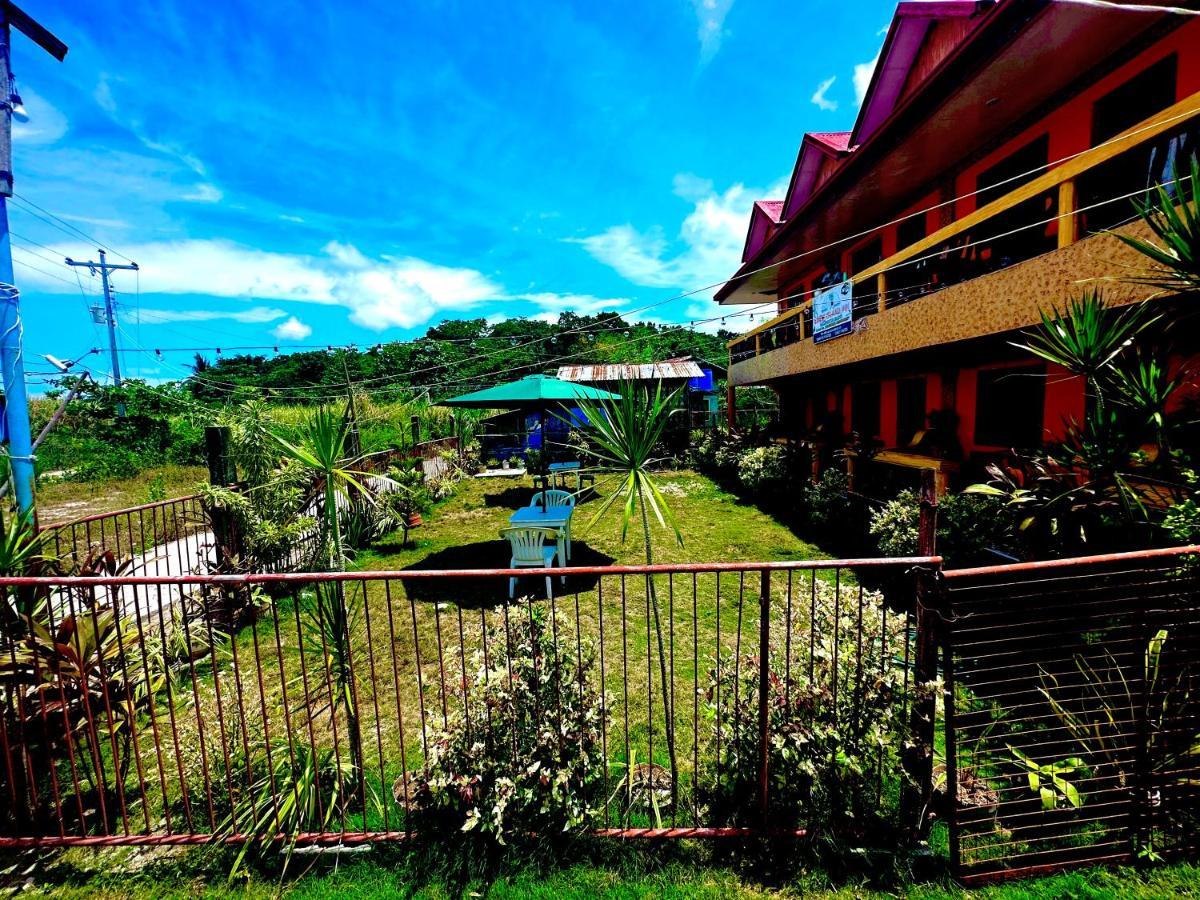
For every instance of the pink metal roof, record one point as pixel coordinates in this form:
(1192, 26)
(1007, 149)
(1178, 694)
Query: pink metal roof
(773, 209)
(834, 140)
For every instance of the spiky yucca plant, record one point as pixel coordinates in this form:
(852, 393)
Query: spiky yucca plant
(1172, 211)
(623, 436)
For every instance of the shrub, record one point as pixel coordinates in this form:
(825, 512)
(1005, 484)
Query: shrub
(834, 730)
(525, 753)
(828, 500)
(969, 525)
(763, 469)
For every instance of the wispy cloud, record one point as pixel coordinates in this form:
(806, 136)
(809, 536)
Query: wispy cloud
(254, 315)
(862, 78)
(707, 249)
(291, 330)
(46, 123)
(819, 95)
(710, 17)
(204, 193)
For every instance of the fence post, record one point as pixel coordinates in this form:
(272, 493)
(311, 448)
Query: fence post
(764, 670)
(221, 470)
(918, 754)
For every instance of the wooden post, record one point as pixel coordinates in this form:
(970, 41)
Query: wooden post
(881, 290)
(1068, 227)
(221, 469)
(917, 795)
(415, 427)
(731, 407)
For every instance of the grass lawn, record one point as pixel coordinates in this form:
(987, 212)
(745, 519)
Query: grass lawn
(623, 873)
(60, 501)
(419, 637)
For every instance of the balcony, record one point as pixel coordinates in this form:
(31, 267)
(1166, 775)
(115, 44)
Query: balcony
(983, 274)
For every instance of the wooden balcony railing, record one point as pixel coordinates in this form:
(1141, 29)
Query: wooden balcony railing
(955, 252)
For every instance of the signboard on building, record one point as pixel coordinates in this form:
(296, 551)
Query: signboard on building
(833, 312)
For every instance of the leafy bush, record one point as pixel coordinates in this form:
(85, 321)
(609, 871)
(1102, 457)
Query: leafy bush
(764, 469)
(833, 733)
(968, 526)
(525, 753)
(828, 501)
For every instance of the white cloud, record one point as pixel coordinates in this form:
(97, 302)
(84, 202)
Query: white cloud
(710, 19)
(862, 78)
(379, 292)
(254, 315)
(291, 330)
(583, 304)
(819, 98)
(204, 193)
(46, 124)
(707, 250)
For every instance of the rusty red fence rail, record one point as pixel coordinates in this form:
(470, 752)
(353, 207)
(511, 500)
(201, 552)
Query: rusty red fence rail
(160, 538)
(1073, 712)
(166, 703)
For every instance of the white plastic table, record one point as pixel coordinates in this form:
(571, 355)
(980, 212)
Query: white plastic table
(556, 517)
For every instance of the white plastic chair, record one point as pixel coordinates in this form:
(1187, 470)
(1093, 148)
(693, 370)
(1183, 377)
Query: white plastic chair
(555, 499)
(530, 551)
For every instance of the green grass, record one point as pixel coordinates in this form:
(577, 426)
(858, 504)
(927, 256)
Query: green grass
(62, 501)
(420, 623)
(673, 871)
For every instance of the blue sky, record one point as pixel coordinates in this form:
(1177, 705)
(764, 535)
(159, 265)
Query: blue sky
(355, 172)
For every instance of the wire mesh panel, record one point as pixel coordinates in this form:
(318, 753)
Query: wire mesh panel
(1073, 735)
(667, 701)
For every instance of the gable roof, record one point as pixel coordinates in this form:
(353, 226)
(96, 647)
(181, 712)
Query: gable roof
(901, 49)
(764, 216)
(815, 148)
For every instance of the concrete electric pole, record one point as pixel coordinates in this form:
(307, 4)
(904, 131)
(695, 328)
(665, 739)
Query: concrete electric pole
(12, 367)
(104, 267)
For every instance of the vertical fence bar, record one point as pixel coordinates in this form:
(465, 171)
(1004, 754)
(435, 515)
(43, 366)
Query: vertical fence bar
(918, 757)
(764, 666)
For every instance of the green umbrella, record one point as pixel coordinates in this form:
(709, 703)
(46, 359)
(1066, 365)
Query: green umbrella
(533, 392)
(530, 392)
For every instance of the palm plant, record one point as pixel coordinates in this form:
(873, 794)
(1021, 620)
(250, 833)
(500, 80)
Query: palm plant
(623, 437)
(1087, 337)
(320, 449)
(1173, 214)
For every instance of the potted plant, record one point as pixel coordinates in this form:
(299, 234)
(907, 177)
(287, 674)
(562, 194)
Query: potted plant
(409, 498)
(493, 463)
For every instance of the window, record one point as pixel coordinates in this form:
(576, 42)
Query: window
(910, 409)
(1009, 407)
(864, 409)
(1025, 230)
(1013, 171)
(910, 231)
(1151, 90)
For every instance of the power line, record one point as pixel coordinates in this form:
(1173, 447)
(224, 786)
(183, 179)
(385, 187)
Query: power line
(65, 226)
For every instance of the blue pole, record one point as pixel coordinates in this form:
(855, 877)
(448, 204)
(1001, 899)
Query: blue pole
(12, 367)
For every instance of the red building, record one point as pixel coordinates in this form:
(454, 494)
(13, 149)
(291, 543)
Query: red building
(997, 146)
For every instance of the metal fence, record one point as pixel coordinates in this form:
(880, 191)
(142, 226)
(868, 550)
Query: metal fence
(1072, 727)
(162, 538)
(152, 709)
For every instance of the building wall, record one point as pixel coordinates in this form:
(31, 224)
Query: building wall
(1067, 126)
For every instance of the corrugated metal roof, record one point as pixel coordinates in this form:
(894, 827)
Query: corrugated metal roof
(670, 369)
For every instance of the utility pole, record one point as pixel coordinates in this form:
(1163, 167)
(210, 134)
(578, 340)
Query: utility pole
(12, 367)
(104, 267)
